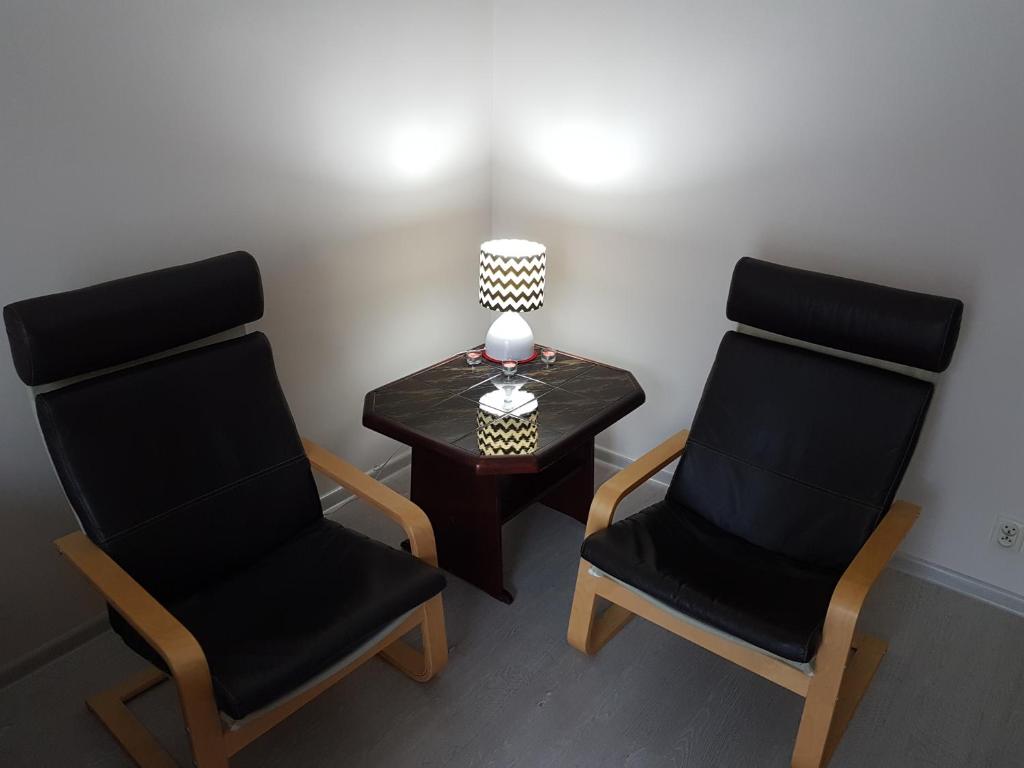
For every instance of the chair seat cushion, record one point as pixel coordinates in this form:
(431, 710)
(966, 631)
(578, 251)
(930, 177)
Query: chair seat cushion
(273, 626)
(680, 559)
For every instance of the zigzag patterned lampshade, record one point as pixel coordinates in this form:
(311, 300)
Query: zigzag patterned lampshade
(512, 275)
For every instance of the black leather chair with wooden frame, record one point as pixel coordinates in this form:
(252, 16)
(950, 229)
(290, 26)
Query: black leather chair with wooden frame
(202, 525)
(781, 514)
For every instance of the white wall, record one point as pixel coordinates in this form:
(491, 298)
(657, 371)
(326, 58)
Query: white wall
(345, 144)
(651, 144)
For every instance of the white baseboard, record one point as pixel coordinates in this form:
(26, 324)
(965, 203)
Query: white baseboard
(958, 582)
(617, 460)
(336, 498)
(55, 648)
(914, 566)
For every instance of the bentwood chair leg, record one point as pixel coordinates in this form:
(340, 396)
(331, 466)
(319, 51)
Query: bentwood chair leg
(584, 612)
(422, 666)
(135, 740)
(203, 724)
(588, 629)
(140, 745)
(435, 637)
(832, 698)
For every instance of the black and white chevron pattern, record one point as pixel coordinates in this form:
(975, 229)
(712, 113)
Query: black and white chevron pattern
(512, 284)
(505, 435)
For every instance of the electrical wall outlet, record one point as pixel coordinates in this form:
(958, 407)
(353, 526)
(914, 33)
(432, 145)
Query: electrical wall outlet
(1007, 533)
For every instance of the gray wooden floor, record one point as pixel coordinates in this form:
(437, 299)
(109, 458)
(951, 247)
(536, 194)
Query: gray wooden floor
(949, 693)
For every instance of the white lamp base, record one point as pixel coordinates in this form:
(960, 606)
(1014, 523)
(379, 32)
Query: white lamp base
(510, 338)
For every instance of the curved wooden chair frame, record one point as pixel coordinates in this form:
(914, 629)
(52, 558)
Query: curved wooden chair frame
(212, 743)
(846, 660)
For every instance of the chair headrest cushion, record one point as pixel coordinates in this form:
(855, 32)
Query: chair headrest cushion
(68, 334)
(905, 327)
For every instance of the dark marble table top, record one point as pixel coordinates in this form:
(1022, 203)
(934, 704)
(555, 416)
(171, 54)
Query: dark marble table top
(478, 415)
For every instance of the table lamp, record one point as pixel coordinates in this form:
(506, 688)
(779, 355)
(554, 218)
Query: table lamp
(511, 281)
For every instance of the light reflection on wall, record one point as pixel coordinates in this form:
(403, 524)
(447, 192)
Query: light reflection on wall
(394, 150)
(590, 153)
(420, 150)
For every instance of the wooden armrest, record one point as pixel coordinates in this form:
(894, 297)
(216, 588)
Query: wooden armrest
(414, 521)
(621, 484)
(852, 589)
(168, 636)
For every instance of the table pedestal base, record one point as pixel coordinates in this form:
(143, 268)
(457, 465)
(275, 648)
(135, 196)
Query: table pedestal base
(467, 510)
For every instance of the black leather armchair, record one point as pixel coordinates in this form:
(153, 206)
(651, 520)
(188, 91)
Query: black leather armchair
(202, 525)
(781, 513)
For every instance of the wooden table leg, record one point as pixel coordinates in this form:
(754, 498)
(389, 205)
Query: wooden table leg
(465, 510)
(573, 495)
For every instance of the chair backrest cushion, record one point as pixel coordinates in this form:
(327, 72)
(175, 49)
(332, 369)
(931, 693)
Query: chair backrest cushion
(184, 468)
(797, 451)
